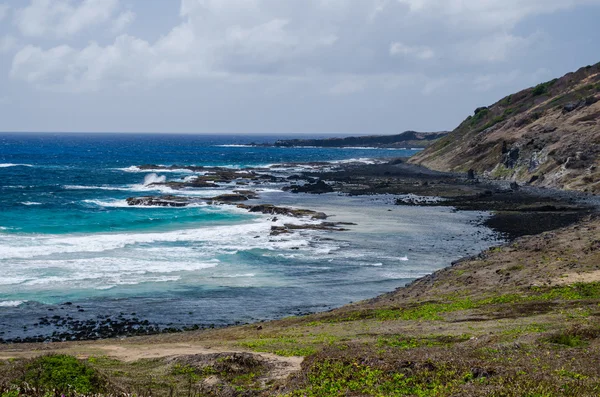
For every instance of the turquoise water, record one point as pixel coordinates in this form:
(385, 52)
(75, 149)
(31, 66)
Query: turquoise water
(67, 235)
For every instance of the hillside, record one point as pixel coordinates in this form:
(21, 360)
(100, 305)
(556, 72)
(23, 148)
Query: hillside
(408, 139)
(547, 135)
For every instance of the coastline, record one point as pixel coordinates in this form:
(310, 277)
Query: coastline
(430, 314)
(352, 225)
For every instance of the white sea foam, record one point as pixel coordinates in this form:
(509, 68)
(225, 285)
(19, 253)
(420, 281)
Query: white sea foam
(116, 203)
(416, 199)
(227, 238)
(112, 188)
(246, 275)
(137, 169)
(233, 145)
(398, 276)
(154, 178)
(111, 270)
(11, 303)
(370, 148)
(150, 185)
(110, 203)
(363, 160)
(8, 165)
(105, 287)
(28, 203)
(105, 261)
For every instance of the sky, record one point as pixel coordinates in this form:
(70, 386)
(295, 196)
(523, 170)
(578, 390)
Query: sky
(279, 66)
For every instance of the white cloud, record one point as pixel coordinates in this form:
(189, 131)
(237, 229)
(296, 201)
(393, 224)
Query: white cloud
(65, 68)
(225, 44)
(419, 52)
(120, 24)
(241, 40)
(62, 18)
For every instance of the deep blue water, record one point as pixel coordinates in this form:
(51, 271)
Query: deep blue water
(66, 234)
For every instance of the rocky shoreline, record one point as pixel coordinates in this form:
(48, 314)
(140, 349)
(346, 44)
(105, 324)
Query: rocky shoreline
(517, 211)
(521, 316)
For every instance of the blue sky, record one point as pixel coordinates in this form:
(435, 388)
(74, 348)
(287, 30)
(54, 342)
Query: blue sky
(278, 66)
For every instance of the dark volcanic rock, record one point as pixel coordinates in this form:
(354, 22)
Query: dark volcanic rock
(193, 184)
(273, 210)
(162, 201)
(325, 226)
(405, 139)
(319, 187)
(230, 198)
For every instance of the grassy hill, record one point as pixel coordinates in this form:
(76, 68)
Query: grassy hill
(547, 135)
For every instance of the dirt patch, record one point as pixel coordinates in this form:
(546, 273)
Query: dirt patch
(572, 278)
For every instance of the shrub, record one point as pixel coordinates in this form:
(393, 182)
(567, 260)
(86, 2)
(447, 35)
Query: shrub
(62, 374)
(542, 89)
(566, 339)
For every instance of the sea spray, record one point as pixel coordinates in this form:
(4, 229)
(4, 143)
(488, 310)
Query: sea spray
(153, 178)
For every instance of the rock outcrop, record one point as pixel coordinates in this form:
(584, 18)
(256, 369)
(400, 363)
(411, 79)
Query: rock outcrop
(318, 187)
(273, 210)
(159, 201)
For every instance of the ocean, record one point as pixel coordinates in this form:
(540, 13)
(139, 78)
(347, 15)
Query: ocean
(73, 252)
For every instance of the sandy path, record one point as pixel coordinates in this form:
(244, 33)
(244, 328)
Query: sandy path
(583, 277)
(282, 366)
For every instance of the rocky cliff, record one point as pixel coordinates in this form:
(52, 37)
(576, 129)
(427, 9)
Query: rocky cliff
(547, 135)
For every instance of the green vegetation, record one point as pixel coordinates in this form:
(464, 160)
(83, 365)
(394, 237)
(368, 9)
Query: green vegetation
(52, 375)
(566, 339)
(506, 101)
(527, 329)
(341, 378)
(479, 116)
(501, 172)
(433, 311)
(63, 374)
(542, 89)
(493, 122)
(450, 371)
(406, 342)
